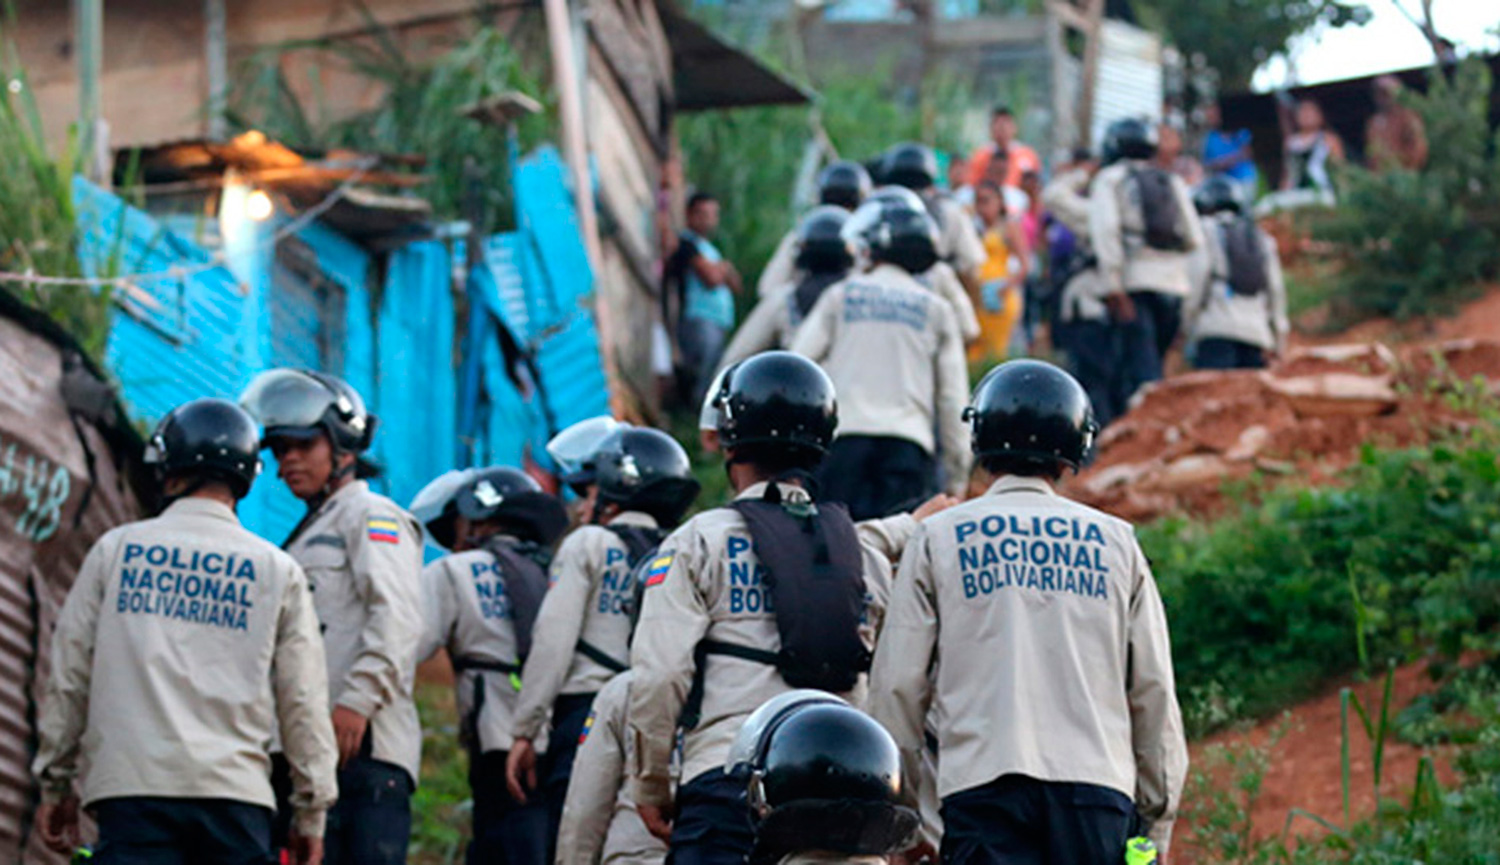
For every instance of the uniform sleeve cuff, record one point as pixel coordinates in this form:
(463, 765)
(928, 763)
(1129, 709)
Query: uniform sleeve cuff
(357, 702)
(651, 791)
(309, 824)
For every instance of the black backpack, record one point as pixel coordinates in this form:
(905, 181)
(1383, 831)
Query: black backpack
(1245, 258)
(809, 290)
(1160, 209)
(814, 573)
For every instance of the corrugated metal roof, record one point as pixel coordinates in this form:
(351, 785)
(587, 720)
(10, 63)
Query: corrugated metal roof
(1130, 76)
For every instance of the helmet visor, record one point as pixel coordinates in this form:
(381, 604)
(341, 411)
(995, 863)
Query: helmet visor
(287, 398)
(708, 413)
(578, 444)
(429, 504)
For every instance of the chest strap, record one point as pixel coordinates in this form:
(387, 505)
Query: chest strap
(468, 728)
(600, 657)
(692, 707)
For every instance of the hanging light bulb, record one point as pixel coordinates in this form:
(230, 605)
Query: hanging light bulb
(259, 206)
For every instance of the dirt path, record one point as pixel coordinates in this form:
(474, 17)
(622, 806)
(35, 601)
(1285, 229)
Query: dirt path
(1306, 770)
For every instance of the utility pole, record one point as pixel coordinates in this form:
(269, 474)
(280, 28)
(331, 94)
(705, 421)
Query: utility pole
(88, 42)
(215, 61)
(1086, 17)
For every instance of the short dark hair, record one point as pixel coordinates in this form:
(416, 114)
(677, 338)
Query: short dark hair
(1002, 111)
(698, 198)
(1023, 465)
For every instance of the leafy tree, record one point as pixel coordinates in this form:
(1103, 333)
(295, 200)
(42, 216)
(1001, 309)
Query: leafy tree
(1236, 36)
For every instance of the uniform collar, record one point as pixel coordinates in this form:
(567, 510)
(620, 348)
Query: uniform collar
(634, 518)
(886, 270)
(347, 491)
(198, 506)
(1017, 484)
(789, 492)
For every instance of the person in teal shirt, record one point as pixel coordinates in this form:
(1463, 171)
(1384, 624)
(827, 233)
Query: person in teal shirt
(708, 285)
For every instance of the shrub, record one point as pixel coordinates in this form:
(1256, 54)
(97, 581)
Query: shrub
(1270, 603)
(1417, 243)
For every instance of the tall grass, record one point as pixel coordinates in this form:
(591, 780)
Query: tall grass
(38, 228)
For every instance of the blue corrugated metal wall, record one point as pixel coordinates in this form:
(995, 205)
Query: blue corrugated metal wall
(207, 334)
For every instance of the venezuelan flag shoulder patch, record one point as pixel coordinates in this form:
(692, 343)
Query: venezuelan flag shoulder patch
(658, 570)
(588, 727)
(383, 530)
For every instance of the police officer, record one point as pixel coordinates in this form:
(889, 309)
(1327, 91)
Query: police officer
(482, 604)
(1236, 313)
(842, 184)
(745, 602)
(1143, 227)
(915, 167)
(363, 558)
(894, 352)
(572, 450)
(600, 823)
(824, 256)
(185, 644)
(940, 276)
(645, 485)
(1083, 327)
(824, 786)
(1048, 644)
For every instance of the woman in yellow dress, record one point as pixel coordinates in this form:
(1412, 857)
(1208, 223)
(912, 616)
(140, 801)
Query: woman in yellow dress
(1001, 277)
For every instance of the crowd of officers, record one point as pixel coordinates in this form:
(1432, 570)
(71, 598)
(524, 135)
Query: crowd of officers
(845, 663)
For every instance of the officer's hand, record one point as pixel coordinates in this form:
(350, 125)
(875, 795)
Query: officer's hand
(520, 769)
(657, 820)
(349, 729)
(923, 852)
(58, 822)
(935, 505)
(1121, 308)
(306, 851)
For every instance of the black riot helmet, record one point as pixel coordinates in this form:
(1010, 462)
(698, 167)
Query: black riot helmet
(1031, 413)
(212, 439)
(1130, 138)
(512, 497)
(911, 165)
(826, 776)
(897, 232)
(843, 184)
(297, 403)
(821, 245)
(1219, 194)
(777, 402)
(646, 470)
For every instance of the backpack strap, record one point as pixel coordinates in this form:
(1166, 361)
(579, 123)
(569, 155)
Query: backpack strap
(692, 707)
(468, 728)
(600, 657)
(525, 581)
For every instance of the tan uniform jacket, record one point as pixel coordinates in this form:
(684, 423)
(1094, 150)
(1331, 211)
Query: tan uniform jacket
(897, 362)
(363, 557)
(185, 644)
(711, 589)
(1051, 651)
(1117, 228)
(945, 282)
(469, 613)
(599, 822)
(770, 325)
(959, 242)
(1067, 199)
(589, 600)
(781, 270)
(1214, 310)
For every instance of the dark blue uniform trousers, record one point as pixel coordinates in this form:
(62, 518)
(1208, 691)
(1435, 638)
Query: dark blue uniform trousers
(1016, 820)
(371, 822)
(152, 830)
(569, 714)
(1217, 353)
(713, 821)
(505, 831)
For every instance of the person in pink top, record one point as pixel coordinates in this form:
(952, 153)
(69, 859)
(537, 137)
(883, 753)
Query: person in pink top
(1003, 138)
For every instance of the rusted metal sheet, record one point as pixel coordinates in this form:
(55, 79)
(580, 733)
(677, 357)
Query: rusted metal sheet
(61, 487)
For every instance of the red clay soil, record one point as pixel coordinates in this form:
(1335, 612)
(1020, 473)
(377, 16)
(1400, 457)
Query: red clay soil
(1306, 771)
(1304, 420)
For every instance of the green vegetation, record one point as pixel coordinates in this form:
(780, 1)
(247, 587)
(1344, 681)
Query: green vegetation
(419, 111)
(1419, 243)
(441, 806)
(37, 219)
(1270, 603)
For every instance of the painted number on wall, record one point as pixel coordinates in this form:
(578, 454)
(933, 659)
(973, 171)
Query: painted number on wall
(33, 488)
